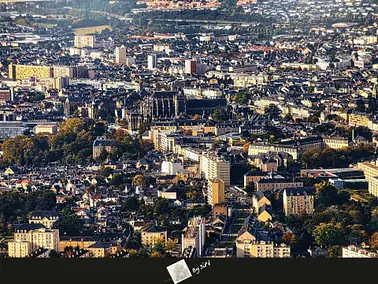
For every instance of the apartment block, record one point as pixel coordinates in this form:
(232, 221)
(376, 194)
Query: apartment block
(253, 177)
(17, 71)
(30, 237)
(19, 249)
(268, 184)
(336, 142)
(353, 251)
(298, 200)
(194, 235)
(214, 167)
(85, 41)
(215, 192)
(261, 249)
(153, 234)
(120, 55)
(371, 175)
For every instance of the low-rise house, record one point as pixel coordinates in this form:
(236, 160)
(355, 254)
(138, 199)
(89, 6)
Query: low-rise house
(153, 234)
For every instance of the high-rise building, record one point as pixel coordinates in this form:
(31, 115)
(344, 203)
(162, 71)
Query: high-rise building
(194, 235)
(214, 167)
(215, 192)
(170, 167)
(120, 54)
(85, 41)
(130, 60)
(371, 175)
(5, 95)
(151, 61)
(191, 66)
(298, 200)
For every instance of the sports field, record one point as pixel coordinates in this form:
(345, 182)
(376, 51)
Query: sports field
(91, 30)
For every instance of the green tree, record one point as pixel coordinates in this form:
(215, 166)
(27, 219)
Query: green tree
(250, 189)
(161, 206)
(334, 251)
(131, 204)
(328, 234)
(273, 111)
(220, 114)
(46, 200)
(69, 223)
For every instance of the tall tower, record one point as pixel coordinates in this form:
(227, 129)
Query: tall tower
(120, 55)
(215, 192)
(151, 61)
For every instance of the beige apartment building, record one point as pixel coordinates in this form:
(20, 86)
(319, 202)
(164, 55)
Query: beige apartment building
(261, 249)
(19, 249)
(253, 177)
(255, 149)
(357, 252)
(268, 184)
(371, 175)
(31, 237)
(85, 41)
(214, 167)
(45, 218)
(298, 200)
(336, 142)
(46, 128)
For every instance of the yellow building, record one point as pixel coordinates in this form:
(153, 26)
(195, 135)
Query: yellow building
(26, 71)
(336, 142)
(263, 214)
(100, 250)
(298, 200)
(153, 234)
(373, 186)
(259, 200)
(19, 249)
(83, 244)
(358, 119)
(215, 192)
(46, 128)
(45, 218)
